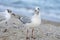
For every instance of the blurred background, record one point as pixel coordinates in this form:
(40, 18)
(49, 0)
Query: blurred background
(49, 9)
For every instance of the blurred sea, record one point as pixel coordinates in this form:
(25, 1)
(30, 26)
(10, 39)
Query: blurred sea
(50, 9)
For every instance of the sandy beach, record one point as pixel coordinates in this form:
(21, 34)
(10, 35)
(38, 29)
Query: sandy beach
(14, 30)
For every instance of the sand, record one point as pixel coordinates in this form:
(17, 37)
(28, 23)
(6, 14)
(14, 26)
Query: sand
(14, 30)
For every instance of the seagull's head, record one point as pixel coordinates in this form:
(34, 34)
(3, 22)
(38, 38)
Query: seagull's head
(8, 11)
(37, 10)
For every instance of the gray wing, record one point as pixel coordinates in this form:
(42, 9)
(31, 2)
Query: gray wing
(25, 20)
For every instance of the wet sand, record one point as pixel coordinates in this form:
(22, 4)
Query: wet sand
(14, 30)
(50, 22)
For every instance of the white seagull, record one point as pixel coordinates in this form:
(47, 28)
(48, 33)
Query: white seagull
(5, 16)
(34, 21)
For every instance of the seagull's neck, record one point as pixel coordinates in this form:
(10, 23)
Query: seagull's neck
(36, 15)
(7, 14)
(36, 19)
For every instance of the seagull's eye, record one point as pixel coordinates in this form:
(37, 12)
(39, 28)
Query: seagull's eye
(38, 9)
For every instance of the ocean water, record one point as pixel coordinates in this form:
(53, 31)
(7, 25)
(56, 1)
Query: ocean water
(49, 9)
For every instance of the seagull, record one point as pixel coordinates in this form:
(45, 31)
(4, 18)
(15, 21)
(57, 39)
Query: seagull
(32, 22)
(5, 16)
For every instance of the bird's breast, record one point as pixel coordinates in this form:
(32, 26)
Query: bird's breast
(36, 21)
(7, 16)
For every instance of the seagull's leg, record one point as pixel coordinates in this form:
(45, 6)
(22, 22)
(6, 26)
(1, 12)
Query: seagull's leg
(33, 33)
(27, 36)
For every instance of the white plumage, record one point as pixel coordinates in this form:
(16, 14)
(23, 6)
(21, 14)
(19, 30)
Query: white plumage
(34, 21)
(5, 16)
